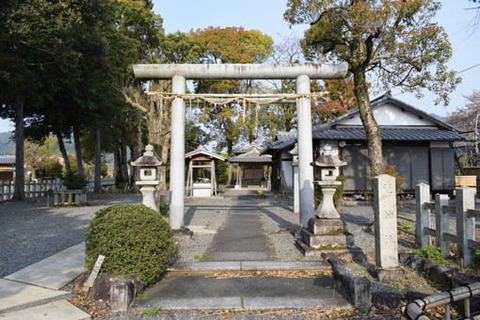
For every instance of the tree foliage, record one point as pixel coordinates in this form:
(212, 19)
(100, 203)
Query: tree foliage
(467, 120)
(396, 42)
(229, 45)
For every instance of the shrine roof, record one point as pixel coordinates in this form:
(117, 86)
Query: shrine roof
(203, 151)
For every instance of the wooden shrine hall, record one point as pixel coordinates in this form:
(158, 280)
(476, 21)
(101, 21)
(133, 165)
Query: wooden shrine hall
(254, 168)
(202, 176)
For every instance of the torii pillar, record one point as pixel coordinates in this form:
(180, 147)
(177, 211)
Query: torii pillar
(179, 72)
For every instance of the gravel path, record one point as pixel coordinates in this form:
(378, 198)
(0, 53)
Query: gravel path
(206, 215)
(31, 231)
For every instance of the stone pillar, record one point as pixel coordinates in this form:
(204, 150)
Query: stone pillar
(305, 152)
(177, 157)
(296, 191)
(441, 222)
(385, 209)
(465, 201)
(422, 196)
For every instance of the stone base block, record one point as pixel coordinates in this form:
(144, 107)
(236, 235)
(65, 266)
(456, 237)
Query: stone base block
(323, 241)
(347, 254)
(325, 226)
(183, 234)
(389, 275)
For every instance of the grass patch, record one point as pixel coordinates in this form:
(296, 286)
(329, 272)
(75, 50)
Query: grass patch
(152, 311)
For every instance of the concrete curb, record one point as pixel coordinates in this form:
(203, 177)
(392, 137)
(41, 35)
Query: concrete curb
(58, 310)
(358, 289)
(212, 266)
(15, 296)
(55, 271)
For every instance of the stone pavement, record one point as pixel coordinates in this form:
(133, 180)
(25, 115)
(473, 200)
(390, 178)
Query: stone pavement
(242, 238)
(34, 292)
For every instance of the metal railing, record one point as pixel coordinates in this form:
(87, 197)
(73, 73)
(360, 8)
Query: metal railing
(418, 309)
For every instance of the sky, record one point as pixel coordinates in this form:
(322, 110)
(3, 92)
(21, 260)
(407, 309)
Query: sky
(267, 17)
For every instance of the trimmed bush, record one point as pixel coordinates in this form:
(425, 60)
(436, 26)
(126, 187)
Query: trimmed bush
(134, 240)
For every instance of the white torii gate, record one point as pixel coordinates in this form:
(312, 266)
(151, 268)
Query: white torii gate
(179, 72)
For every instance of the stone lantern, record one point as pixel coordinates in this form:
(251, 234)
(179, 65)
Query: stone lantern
(327, 164)
(148, 165)
(325, 233)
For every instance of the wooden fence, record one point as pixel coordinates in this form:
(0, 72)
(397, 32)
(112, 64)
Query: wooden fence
(465, 215)
(39, 188)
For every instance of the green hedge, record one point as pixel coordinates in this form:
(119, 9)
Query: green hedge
(134, 240)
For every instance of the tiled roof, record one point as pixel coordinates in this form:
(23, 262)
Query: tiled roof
(400, 134)
(7, 159)
(252, 147)
(252, 159)
(282, 140)
(254, 155)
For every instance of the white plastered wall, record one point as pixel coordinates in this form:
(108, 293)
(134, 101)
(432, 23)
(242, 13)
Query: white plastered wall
(390, 115)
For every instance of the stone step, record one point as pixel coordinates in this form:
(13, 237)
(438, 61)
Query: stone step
(207, 292)
(57, 310)
(215, 266)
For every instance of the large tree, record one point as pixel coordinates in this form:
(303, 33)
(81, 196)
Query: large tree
(395, 43)
(229, 45)
(34, 42)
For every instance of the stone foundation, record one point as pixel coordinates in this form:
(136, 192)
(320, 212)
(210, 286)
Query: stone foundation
(325, 238)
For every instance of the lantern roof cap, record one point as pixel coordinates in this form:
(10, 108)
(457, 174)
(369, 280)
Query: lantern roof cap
(148, 159)
(326, 159)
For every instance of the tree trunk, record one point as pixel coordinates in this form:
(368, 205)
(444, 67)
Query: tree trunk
(370, 125)
(19, 193)
(123, 163)
(63, 150)
(138, 146)
(230, 166)
(78, 151)
(134, 154)
(162, 173)
(116, 167)
(97, 184)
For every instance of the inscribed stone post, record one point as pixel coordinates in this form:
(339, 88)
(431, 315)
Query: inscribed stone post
(422, 196)
(465, 224)
(385, 208)
(441, 222)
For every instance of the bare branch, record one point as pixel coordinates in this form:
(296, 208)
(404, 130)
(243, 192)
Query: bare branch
(133, 103)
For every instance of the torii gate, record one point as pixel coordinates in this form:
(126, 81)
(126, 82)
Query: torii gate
(179, 72)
